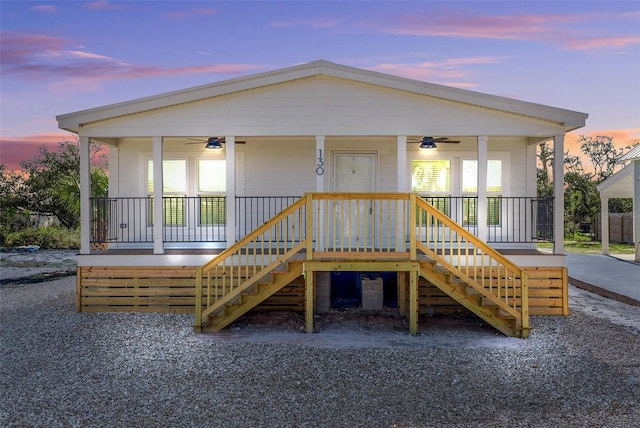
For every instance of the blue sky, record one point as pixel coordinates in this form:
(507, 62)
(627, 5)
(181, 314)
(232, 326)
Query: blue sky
(64, 56)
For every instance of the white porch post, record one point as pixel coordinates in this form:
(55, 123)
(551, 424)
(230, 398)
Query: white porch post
(483, 161)
(158, 191)
(636, 207)
(85, 194)
(558, 194)
(604, 224)
(114, 173)
(321, 165)
(403, 186)
(230, 158)
(321, 169)
(532, 190)
(401, 166)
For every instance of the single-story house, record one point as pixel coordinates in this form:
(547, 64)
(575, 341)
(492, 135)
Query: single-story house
(320, 184)
(623, 184)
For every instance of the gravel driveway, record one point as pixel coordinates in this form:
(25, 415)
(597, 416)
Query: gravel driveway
(62, 368)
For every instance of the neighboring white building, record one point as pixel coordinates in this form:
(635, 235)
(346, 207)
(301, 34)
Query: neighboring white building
(623, 184)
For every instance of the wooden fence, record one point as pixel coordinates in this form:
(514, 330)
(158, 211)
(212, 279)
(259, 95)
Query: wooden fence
(620, 228)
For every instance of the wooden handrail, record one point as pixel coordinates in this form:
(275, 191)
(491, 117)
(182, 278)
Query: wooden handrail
(361, 222)
(250, 237)
(468, 236)
(503, 292)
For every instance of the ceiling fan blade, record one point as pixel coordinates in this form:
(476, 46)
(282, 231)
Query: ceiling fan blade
(222, 140)
(196, 141)
(444, 140)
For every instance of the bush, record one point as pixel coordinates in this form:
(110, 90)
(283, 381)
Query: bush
(53, 237)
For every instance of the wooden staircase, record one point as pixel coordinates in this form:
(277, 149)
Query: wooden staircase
(241, 300)
(475, 298)
(297, 242)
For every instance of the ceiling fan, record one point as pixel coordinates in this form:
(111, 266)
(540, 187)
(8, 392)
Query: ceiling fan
(432, 142)
(214, 143)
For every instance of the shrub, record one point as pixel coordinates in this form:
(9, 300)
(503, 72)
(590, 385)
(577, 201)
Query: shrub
(53, 237)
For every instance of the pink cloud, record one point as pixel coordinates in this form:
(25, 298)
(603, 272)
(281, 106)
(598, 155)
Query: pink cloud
(45, 8)
(601, 42)
(27, 56)
(464, 24)
(318, 23)
(103, 5)
(14, 150)
(551, 28)
(90, 82)
(190, 13)
(449, 71)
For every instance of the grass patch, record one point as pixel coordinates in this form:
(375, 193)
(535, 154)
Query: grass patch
(591, 247)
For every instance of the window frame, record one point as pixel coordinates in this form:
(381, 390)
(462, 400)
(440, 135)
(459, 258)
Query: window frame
(171, 218)
(494, 202)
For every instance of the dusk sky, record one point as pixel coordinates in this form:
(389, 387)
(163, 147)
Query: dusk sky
(64, 56)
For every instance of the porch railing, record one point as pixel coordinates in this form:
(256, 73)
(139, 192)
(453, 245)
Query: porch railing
(510, 219)
(129, 220)
(254, 211)
(203, 218)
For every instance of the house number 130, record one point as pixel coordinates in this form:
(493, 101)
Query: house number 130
(320, 164)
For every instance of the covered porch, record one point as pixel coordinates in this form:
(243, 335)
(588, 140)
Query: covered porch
(195, 173)
(509, 217)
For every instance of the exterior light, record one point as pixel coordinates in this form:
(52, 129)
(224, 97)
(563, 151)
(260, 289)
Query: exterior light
(213, 143)
(428, 143)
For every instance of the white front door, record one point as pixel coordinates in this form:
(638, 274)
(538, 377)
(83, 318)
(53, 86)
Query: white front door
(354, 173)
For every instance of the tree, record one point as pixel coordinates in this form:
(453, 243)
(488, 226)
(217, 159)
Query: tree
(545, 157)
(12, 199)
(52, 183)
(603, 155)
(582, 200)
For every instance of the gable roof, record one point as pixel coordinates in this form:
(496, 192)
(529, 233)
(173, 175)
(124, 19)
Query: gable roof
(619, 185)
(632, 154)
(568, 119)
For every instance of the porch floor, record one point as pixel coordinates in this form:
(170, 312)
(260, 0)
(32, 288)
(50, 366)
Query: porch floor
(215, 251)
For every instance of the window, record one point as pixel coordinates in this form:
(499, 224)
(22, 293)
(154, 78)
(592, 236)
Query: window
(212, 183)
(213, 210)
(212, 176)
(494, 190)
(470, 176)
(432, 179)
(431, 176)
(174, 177)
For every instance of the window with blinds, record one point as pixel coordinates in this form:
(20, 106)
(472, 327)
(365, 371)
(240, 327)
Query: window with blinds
(494, 190)
(431, 176)
(212, 184)
(432, 179)
(174, 189)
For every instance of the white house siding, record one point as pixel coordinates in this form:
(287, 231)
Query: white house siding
(322, 106)
(286, 166)
(274, 167)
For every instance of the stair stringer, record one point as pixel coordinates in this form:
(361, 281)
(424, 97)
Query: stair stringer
(482, 303)
(249, 298)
